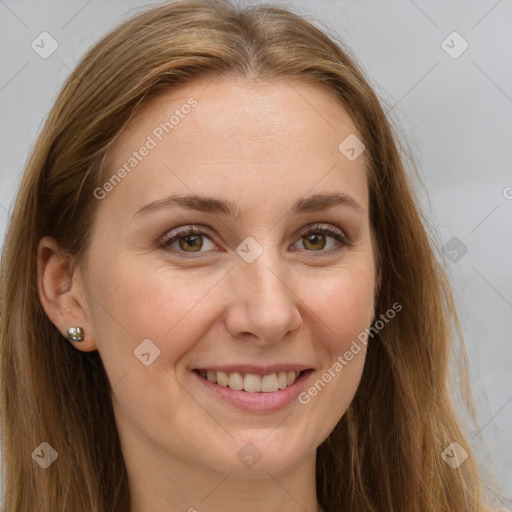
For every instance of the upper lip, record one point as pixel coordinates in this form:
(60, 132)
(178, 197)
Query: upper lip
(255, 369)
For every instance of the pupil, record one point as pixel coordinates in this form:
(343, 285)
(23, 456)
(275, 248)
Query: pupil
(190, 240)
(314, 239)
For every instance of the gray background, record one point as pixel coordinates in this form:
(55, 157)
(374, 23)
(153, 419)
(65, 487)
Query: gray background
(454, 113)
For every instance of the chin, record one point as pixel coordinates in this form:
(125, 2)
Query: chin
(258, 452)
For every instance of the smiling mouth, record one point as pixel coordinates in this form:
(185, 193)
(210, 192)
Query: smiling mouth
(250, 382)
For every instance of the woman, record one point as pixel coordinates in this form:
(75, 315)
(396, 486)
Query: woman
(298, 361)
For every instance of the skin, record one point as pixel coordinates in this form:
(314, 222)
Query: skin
(262, 146)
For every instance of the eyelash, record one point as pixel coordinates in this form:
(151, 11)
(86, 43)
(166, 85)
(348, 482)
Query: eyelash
(169, 239)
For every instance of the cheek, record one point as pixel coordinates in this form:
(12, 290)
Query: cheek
(341, 305)
(157, 312)
(161, 305)
(342, 309)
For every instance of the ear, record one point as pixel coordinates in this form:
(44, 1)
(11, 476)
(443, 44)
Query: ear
(62, 294)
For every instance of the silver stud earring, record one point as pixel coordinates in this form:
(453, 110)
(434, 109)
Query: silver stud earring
(75, 334)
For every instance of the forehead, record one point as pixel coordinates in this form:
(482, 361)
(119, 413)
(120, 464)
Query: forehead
(231, 137)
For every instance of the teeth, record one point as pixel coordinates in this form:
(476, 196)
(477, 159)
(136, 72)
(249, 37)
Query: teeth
(269, 383)
(236, 381)
(251, 383)
(282, 381)
(222, 379)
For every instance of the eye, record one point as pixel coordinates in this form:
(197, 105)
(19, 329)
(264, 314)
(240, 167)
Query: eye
(315, 239)
(188, 241)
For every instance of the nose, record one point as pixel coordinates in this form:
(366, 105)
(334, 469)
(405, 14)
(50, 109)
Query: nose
(264, 305)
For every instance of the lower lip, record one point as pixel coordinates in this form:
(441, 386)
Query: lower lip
(257, 402)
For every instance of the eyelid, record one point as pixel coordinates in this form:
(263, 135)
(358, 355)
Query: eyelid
(185, 230)
(199, 229)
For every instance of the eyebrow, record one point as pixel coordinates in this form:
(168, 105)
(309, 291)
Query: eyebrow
(314, 203)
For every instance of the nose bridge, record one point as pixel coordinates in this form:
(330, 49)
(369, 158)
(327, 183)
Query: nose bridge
(266, 304)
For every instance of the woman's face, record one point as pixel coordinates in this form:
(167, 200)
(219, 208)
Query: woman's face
(248, 293)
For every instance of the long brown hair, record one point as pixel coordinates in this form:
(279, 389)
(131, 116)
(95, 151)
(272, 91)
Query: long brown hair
(385, 452)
